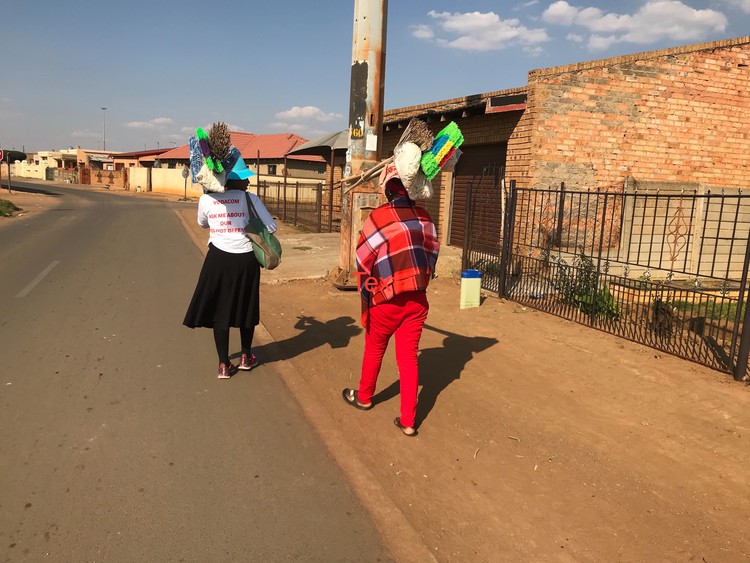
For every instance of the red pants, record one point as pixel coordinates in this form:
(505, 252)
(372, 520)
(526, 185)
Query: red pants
(404, 316)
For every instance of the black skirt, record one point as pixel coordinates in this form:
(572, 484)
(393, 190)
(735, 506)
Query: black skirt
(227, 294)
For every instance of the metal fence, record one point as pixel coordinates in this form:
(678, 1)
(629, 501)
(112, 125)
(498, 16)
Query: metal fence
(666, 268)
(311, 206)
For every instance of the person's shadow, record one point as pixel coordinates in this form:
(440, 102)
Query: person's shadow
(439, 367)
(336, 333)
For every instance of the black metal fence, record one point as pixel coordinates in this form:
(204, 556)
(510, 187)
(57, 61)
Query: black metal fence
(667, 268)
(311, 206)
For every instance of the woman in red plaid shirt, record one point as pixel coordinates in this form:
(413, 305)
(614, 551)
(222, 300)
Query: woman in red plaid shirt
(396, 257)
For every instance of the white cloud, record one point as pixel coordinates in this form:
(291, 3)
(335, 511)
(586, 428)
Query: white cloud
(601, 42)
(158, 122)
(655, 20)
(422, 31)
(308, 113)
(743, 5)
(287, 126)
(575, 37)
(477, 31)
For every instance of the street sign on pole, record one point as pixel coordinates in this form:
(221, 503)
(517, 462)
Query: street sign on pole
(185, 174)
(1, 154)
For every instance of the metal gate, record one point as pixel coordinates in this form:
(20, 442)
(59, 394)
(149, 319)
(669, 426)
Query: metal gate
(666, 268)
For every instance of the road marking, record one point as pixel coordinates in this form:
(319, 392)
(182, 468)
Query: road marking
(26, 290)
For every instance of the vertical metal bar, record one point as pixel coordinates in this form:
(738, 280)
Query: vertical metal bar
(646, 197)
(617, 197)
(598, 260)
(742, 356)
(718, 230)
(506, 257)
(703, 235)
(664, 230)
(285, 161)
(734, 234)
(745, 344)
(560, 214)
(577, 224)
(465, 255)
(653, 230)
(319, 206)
(296, 201)
(690, 230)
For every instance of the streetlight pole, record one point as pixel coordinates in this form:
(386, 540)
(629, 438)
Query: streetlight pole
(104, 136)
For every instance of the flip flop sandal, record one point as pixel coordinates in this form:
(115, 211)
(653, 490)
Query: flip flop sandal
(350, 396)
(397, 422)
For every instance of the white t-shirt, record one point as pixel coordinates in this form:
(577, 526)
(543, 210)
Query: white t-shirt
(226, 215)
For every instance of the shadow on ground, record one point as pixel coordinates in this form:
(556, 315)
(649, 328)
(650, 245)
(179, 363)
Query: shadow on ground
(336, 333)
(439, 367)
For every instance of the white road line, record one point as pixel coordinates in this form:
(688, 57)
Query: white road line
(26, 290)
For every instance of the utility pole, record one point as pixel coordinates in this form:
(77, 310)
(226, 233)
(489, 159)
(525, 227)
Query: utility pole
(365, 127)
(104, 129)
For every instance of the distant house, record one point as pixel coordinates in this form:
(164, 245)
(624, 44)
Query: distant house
(137, 159)
(263, 154)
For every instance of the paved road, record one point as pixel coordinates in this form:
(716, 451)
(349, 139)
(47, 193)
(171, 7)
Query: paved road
(117, 442)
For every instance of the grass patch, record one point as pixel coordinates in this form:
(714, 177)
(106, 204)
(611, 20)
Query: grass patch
(714, 310)
(7, 208)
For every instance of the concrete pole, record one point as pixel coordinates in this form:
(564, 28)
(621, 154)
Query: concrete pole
(365, 126)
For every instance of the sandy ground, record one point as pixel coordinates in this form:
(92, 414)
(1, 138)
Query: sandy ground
(539, 439)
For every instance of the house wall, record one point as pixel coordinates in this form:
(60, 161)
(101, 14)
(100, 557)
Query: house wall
(26, 170)
(679, 115)
(511, 127)
(317, 171)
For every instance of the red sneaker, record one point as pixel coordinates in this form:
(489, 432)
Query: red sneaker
(248, 362)
(227, 371)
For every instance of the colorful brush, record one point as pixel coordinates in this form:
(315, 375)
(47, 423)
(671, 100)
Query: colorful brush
(212, 163)
(445, 144)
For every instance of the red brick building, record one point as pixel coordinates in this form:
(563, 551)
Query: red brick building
(675, 116)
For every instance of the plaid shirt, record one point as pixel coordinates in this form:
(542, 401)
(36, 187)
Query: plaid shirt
(397, 252)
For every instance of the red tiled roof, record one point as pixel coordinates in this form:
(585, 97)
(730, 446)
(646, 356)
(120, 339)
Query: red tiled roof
(270, 147)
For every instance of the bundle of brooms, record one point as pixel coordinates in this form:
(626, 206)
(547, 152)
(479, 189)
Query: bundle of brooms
(416, 132)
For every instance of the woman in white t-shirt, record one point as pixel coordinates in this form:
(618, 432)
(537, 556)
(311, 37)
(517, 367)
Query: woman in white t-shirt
(227, 294)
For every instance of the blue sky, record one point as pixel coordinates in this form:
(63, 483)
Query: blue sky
(162, 69)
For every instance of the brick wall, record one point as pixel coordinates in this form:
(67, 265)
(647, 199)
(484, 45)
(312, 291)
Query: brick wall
(677, 115)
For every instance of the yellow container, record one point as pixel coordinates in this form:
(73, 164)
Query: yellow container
(471, 285)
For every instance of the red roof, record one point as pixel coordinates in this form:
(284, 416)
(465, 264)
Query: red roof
(249, 144)
(139, 154)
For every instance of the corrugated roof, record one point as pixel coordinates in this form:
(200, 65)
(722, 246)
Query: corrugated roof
(270, 146)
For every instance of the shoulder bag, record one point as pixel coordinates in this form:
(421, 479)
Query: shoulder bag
(266, 246)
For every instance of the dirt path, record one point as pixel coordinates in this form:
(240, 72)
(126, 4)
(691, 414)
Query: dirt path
(29, 204)
(540, 440)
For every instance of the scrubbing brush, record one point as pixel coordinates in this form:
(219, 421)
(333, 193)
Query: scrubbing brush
(445, 144)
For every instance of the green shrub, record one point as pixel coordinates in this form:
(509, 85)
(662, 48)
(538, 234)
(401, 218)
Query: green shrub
(578, 287)
(7, 208)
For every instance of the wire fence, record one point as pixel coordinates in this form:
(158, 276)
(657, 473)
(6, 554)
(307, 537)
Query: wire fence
(315, 207)
(666, 268)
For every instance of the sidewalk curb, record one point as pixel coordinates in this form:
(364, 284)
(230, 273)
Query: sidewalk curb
(398, 535)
